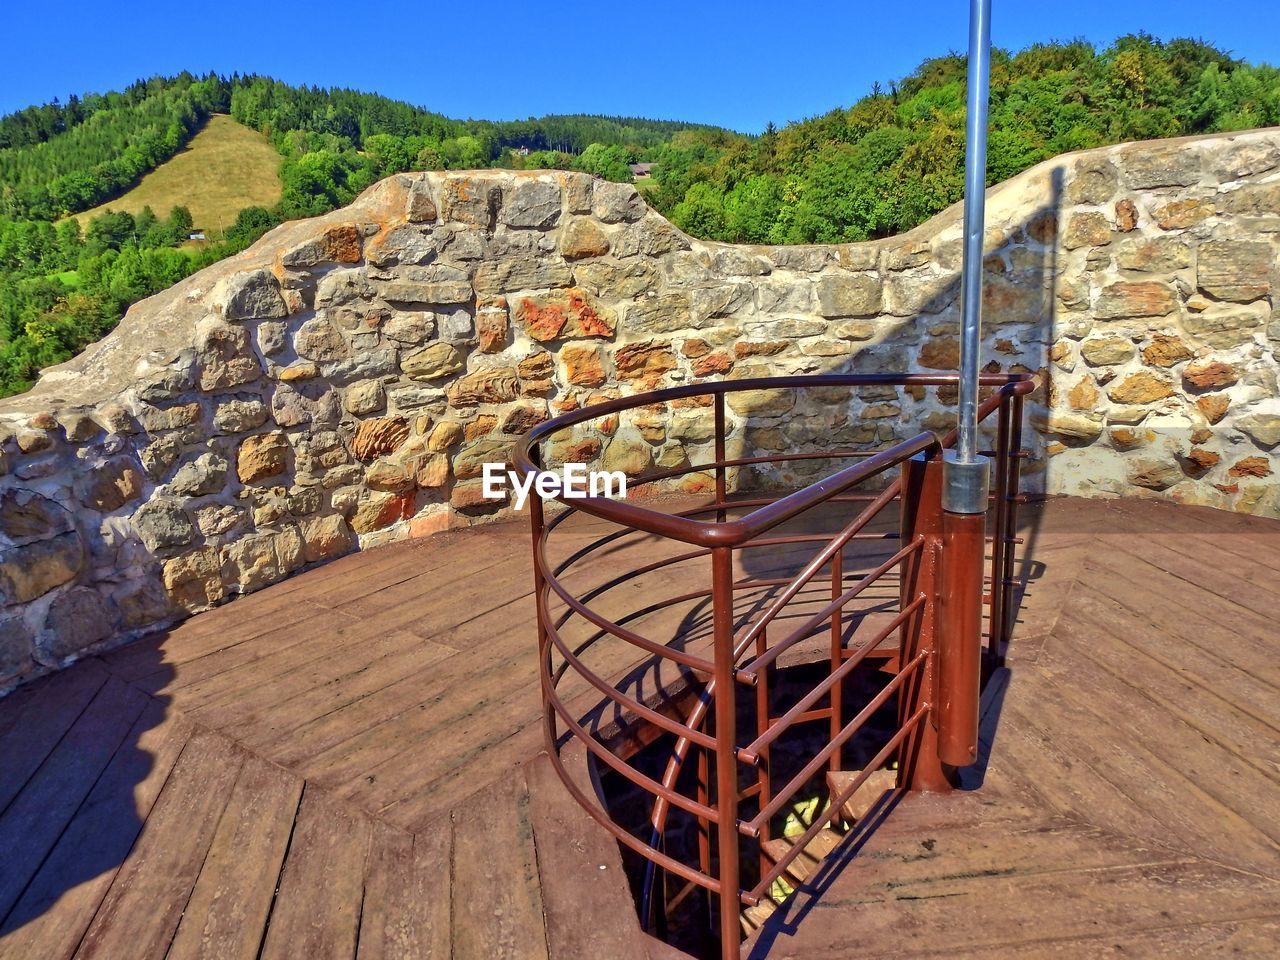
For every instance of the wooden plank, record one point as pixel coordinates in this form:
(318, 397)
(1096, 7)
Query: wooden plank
(426, 746)
(461, 686)
(317, 911)
(455, 786)
(471, 592)
(1031, 751)
(1254, 571)
(406, 896)
(1204, 941)
(484, 641)
(1206, 575)
(582, 876)
(497, 904)
(1236, 636)
(990, 915)
(1226, 705)
(142, 908)
(175, 677)
(1125, 754)
(284, 657)
(271, 723)
(43, 712)
(57, 906)
(1189, 760)
(244, 619)
(368, 571)
(349, 672)
(33, 822)
(226, 916)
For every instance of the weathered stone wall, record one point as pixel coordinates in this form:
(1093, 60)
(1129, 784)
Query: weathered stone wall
(341, 383)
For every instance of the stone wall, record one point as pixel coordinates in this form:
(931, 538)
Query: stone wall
(340, 384)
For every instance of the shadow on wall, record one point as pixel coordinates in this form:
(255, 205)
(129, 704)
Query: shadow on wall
(818, 419)
(765, 422)
(84, 754)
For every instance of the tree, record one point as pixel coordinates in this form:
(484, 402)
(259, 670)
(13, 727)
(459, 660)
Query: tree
(607, 161)
(111, 230)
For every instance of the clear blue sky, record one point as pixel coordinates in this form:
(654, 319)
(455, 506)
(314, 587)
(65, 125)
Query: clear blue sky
(737, 64)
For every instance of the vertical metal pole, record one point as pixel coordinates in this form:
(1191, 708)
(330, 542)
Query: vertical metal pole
(837, 656)
(721, 475)
(726, 759)
(1000, 536)
(538, 522)
(704, 825)
(967, 477)
(763, 721)
(975, 183)
(1011, 498)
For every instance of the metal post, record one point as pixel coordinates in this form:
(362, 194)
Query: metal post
(721, 474)
(837, 656)
(726, 749)
(764, 767)
(919, 767)
(538, 522)
(967, 474)
(1014, 468)
(959, 637)
(1001, 535)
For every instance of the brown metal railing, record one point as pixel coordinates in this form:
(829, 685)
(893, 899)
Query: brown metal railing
(939, 563)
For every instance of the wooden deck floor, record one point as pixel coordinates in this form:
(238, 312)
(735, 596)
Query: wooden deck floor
(344, 765)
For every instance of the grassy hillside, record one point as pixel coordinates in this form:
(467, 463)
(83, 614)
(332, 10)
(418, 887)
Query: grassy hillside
(225, 168)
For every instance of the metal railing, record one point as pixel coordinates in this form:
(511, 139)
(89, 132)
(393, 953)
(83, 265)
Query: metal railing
(939, 561)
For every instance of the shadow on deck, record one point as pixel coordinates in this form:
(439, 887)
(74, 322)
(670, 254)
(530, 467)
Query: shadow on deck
(344, 765)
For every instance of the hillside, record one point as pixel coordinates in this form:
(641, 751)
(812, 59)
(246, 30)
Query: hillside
(274, 152)
(896, 157)
(225, 168)
(60, 159)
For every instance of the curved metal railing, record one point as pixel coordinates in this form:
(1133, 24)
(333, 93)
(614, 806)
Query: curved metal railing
(740, 654)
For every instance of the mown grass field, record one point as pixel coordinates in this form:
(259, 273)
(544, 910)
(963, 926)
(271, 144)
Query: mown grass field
(224, 169)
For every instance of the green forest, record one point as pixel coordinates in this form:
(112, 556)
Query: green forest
(878, 167)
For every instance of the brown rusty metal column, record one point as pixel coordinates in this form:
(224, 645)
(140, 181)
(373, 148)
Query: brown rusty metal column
(1011, 523)
(919, 766)
(959, 650)
(763, 768)
(722, 486)
(1000, 535)
(726, 747)
(538, 522)
(837, 655)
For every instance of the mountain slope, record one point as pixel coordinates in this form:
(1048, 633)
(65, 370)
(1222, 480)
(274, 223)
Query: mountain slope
(225, 168)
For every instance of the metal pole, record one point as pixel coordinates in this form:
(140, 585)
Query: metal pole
(967, 475)
(726, 756)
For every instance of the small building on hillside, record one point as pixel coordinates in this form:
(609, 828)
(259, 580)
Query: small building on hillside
(642, 171)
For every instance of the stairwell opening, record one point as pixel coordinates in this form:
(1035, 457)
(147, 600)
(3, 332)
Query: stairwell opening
(684, 916)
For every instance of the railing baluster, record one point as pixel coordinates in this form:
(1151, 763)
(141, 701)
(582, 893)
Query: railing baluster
(999, 545)
(763, 714)
(1014, 498)
(837, 654)
(538, 521)
(726, 745)
(722, 484)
